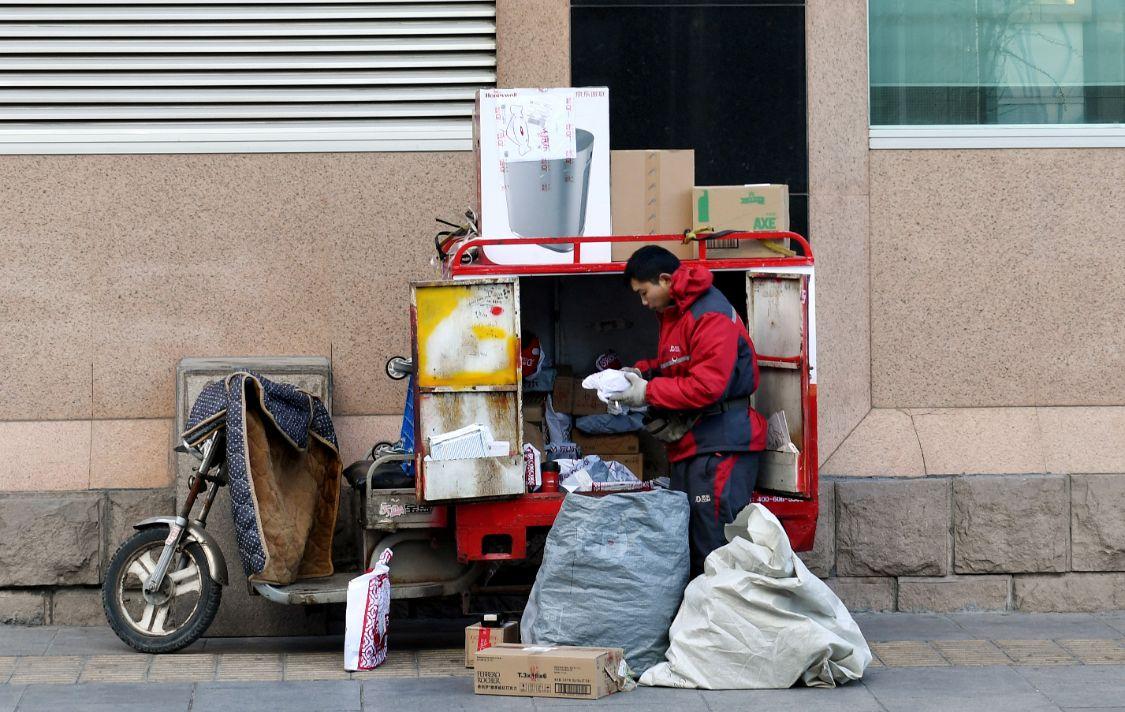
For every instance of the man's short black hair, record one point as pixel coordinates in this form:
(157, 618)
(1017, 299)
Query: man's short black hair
(649, 262)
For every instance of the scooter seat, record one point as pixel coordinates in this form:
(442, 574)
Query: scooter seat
(389, 475)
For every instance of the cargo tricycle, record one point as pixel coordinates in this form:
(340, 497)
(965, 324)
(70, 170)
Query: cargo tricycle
(457, 525)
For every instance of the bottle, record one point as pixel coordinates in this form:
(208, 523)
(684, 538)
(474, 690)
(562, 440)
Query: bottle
(549, 472)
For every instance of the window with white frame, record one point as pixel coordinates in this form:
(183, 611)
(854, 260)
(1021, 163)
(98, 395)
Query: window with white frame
(158, 76)
(997, 72)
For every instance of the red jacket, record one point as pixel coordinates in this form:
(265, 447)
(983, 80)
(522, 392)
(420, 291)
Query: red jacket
(705, 357)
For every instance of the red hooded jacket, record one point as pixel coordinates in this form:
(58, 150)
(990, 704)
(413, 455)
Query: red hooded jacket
(705, 357)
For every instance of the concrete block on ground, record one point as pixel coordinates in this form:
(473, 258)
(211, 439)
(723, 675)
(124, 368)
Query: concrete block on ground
(1080, 592)
(242, 613)
(77, 606)
(953, 594)
(23, 608)
(823, 555)
(892, 527)
(1097, 523)
(51, 539)
(1010, 524)
(127, 507)
(860, 593)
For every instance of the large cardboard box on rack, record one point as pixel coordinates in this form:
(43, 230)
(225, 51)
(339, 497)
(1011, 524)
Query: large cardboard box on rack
(550, 671)
(570, 397)
(753, 208)
(598, 444)
(543, 171)
(480, 637)
(652, 193)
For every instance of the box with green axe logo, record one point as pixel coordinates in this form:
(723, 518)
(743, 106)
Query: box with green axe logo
(754, 208)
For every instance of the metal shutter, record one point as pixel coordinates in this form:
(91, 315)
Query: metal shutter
(156, 76)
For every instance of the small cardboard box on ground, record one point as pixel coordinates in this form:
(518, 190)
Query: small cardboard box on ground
(480, 637)
(753, 208)
(543, 171)
(652, 193)
(550, 671)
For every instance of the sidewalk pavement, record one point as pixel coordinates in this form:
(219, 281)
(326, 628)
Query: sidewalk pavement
(963, 662)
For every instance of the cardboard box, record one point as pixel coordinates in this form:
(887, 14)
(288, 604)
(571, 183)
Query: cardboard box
(534, 407)
(480, 637)
(562, 396)
(584, 401)
(754, 208)
(628, 443)
(533, 435)
(634, 461)
(652, 194)
(550, 671)
(543, 171)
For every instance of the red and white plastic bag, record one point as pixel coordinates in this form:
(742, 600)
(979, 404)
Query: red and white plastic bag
(367, 617)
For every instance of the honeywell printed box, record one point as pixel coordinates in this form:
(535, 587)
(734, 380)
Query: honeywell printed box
(543, 171)
(550, 671)
(752, 208)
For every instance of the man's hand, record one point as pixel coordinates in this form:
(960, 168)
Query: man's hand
(634, 395)
(630, 369)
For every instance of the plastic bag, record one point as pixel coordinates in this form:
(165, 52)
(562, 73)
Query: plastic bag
(757, 618)
(368, 616)
(614, 569)
(584, 475)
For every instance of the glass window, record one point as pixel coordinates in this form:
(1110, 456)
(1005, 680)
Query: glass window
(997, 62)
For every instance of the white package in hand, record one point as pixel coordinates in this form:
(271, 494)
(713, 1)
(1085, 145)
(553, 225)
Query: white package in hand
(368, 616)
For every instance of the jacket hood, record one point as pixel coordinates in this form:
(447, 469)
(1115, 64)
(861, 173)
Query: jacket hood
(689, 282)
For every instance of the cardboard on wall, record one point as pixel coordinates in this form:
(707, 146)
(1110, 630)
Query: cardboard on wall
(480, 637)
(533, 435)
(652, 193)
(562, 396)
(550, 671)
(543, 171)
(754, 208)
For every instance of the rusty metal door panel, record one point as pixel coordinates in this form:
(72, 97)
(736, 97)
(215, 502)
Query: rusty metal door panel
(467, 334)
(475, 478)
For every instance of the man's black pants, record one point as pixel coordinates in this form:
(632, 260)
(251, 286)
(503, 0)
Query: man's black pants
(718, 487)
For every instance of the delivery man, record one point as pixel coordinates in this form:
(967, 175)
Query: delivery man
(698, 391)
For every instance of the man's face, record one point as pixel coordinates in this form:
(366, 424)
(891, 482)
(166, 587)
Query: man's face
(657, 295)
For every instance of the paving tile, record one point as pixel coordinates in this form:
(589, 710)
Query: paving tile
(447, 661)
(87, 641)
(1036, 652)
(971, 652)
(20, 640)
(430, 694)
(10, 697)
(276, 644)
(986, 688)
(57, 670)
(909, 626)
(189, 667)
(1033, 626)
(1113, 620)
(798, 699)
(315, 666)
(7, 665)
(249, 667)
(107, 698)
(908, 653)
(1096, 652)
(402, 663)
(116, 668)
(1080, 686)
(324, 696)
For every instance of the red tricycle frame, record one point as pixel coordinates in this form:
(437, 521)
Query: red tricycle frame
(512, 518)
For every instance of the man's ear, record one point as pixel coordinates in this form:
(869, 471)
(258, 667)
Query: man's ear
(664, 279)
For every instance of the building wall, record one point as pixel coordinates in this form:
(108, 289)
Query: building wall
(969, 354)
(986, 469)
(116, 267)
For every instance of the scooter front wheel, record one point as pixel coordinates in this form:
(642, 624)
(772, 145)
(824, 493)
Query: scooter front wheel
(171, 618)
